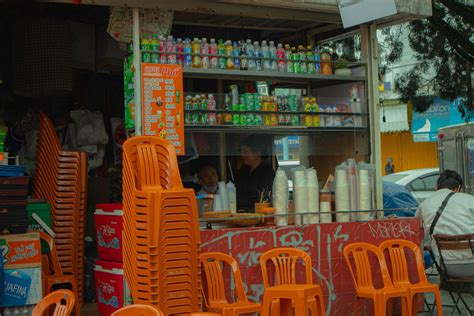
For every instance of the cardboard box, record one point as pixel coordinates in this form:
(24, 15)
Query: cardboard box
(21, 258)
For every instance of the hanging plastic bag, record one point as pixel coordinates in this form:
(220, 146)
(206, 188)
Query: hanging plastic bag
(90, 128)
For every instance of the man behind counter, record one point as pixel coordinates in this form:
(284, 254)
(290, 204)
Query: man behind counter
(254, 176)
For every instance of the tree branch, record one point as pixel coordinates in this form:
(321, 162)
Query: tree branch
(464, 11)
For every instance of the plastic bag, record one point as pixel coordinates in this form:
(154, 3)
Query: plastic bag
(90, 128)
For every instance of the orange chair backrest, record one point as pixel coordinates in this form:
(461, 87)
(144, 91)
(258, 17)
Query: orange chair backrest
(284, 260)
(361, 271)
(212, 263)
(53, 259)
(64, 300)
(138, 310)
(397, 255)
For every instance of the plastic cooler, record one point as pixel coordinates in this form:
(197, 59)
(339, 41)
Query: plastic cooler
(110, 286)
(109, 226)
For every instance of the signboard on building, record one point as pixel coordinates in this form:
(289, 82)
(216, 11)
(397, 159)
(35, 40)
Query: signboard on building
(440, 114)
(355, 12)
(162, 103)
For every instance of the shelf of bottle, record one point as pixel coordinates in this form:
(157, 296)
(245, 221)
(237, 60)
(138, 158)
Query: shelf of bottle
(345, 114)
(317, 80)
(275, 130)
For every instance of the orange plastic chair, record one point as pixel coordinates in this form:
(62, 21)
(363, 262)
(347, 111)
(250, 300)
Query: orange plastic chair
(138, 310)
(400, 278)
(52, 272)
(63, 299)
(215, 298)
(304, 296)
(361, 272)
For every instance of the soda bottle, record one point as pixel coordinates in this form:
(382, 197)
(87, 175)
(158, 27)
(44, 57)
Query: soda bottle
(229, 51)
(251, 56)
(171, 50)
(155, 47)
(188, 105)
(265, 51)
(288, 58)
(258, 55)
(196, 46)
(203, 107)
(310, 60)
(162, 49)
(180, 50)
(213, 52)
(188, 50)
(295, 57)
(145, 46)
(221, 51)
(273, 57)
(326, 67)
(315, 109)
(236, 52)
(302, 53)
(244, 62)
(204, 53)
(280, 55)
(211, 106)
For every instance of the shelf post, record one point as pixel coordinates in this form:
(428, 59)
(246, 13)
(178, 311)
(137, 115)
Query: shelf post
(222, 137)
(370, 55)
(137, 57)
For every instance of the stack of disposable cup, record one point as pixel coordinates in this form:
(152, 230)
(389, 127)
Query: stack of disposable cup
(343, 202)
(353, 182)
(224, 196)
(300, 195)
(217, 203)
(365, 195)
(313, 196)
(280, 197)
(325, 216)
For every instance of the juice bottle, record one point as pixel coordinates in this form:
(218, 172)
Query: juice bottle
(155, 47)
(302, 53)
(196, 46)
(162, 49)
(171, 50)
(326, 67)
(236, 53)
(214, 64)
(308, 119)
(205, 53)
(315, 109)
(211, 106)
(280, 55)
(179, 50)
(288, 59)
(273, 56)
(229, 51)
(221, 51)
(295, 57)
(188, 50)
(310, 60)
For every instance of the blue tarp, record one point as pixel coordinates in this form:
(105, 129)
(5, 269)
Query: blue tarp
(396, 197)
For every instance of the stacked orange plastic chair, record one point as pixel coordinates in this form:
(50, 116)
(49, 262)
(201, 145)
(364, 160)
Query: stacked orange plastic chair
(213, 264)
(400, 277)
(138, 310)
(63, 301)
(161, 229)
(61, 179)
(305, 297)
(357, 258)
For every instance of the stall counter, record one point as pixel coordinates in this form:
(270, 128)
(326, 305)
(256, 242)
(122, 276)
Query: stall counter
(324, 242)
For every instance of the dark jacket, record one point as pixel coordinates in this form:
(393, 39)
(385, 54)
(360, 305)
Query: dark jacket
(250, 184)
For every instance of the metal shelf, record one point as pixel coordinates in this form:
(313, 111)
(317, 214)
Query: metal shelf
(274, 130)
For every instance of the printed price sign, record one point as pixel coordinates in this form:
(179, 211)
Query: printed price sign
(162, 103)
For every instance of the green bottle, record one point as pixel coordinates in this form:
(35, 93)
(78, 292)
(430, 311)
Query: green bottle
(221, 51)
(295, 57)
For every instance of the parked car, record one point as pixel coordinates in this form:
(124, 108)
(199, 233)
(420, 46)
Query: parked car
(421, 183)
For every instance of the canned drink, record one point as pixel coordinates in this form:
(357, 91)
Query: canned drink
(257, 99)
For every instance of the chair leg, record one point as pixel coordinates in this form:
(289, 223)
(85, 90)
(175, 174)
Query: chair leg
(414, 303)
(322, 309)
(356, 306)
(389, 308)
(380, 306)
(439, 304)
(275, 307)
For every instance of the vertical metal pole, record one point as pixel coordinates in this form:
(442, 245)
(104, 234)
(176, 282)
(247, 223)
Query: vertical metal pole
(370, 55)
(138, 70)
(222, 136)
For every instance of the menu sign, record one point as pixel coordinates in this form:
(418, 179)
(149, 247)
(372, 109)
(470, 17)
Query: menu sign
(162, 103)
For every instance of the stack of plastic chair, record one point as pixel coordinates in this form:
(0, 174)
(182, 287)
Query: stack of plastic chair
(138, 310)
(61, 179)
(63, 301)
(161, 229)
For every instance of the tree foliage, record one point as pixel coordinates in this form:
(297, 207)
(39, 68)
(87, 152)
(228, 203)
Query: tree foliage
(444, 52)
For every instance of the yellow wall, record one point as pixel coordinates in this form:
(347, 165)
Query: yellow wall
(406, 154)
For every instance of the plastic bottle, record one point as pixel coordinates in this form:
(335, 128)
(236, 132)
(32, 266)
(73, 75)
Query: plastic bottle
(317, 60)
(211, 106)
(231, 192)
(187, 49)
(295, 57)
(326, 65)
(251, 56)
(289, 58)
(229, 51)
(310, 60)
(204, 53)
(244, 62)
(155, 47)
(162, 49)
(196, 45)
(236, 51)
(214, 63)
(258, 55)
(171, 50)
(273, 56)
(221, 51)
(179, 50)
(302, 53)
(280, 55)
(266, 56)
(145, 46)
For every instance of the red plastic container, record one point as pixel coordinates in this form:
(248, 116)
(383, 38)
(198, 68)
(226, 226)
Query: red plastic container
(110, 286)
(109, 226)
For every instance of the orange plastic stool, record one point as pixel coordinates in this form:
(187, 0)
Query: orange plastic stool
(304, 296)
(361, 272)
(138, 310)
(215, 298)
(64, 300)
(400, 277)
